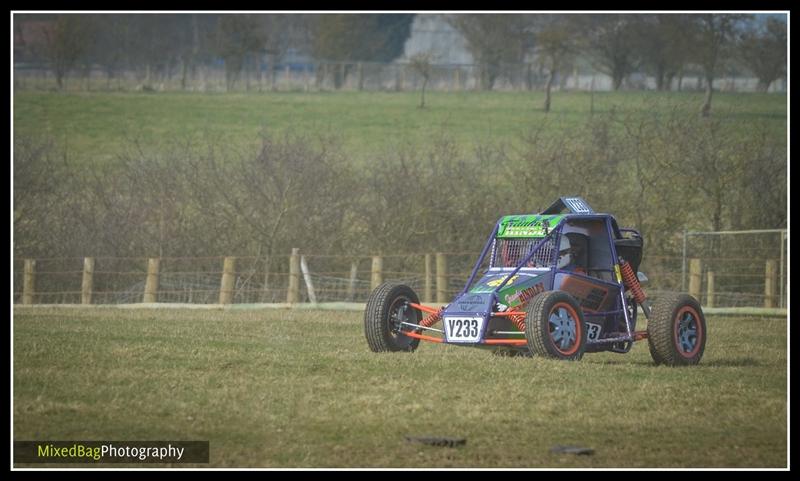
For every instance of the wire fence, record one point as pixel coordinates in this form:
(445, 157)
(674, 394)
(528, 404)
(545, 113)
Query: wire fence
(369, 76)
(746, 272)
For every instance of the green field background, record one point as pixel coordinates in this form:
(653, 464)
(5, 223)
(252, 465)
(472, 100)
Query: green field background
(282, 388)
(95, 126)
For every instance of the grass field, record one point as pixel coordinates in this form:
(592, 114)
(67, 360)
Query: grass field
(95, 126)
(301, 389)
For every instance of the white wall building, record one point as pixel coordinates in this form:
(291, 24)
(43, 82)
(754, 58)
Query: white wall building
(431, 33)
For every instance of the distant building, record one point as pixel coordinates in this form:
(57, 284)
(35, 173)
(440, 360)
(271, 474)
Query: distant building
(431, 33)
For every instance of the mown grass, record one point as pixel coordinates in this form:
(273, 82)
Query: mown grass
(301, 389)
(95, 126)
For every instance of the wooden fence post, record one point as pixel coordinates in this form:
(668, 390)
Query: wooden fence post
(151, 284)
(441, 278)
(770, 281)
(377, 272)
(695, 279)
(351, 287)
(710, 300)
(228, 278)
(312, 296)
(88, 280)
(29, 281)
(293, 292)
(265, 288)
(427, 295)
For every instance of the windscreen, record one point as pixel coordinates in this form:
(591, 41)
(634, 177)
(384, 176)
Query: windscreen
(510, 252)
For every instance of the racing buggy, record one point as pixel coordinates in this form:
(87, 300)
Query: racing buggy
(556, 284)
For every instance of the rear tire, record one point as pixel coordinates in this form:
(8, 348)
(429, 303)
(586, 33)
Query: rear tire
(386, 308)
(554, 326)
(676, 331)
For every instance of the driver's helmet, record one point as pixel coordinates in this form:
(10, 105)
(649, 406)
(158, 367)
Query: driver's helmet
(564, 252)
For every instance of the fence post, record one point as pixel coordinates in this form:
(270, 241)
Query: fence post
(88, 280)
(683, 257)
(151, 284)
(288, 78)
(293, 292)
(360, 76)
(710, 289)
(312, 296)
(351, 287)
(770, 281)
(228, 275)
(695, 279)
(782, 301)
(441, 278)
(265, 288)
(29, 281)
(428, 292)
(377, 272)
(458, 79)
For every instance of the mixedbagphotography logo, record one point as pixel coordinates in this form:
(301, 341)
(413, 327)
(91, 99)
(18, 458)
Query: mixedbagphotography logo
(170, 452)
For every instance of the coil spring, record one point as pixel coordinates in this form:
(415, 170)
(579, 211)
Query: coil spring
(432, 319)
(518, 320)
(632, 282)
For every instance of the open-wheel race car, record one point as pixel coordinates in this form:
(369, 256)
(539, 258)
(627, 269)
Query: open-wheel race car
(558, 284)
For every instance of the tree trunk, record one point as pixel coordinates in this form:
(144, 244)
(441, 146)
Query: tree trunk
(659, 78)
(422, 100)
(184, 73)
(709, 91)
(271, 72)
(529, 78)
(259, 77)
(338, 75)
(668, 81)
(616, 80)
(550, 77)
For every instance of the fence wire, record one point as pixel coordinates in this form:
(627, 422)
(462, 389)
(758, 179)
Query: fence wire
(738, 266)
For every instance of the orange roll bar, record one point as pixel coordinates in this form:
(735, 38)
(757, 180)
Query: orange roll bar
(429, 310)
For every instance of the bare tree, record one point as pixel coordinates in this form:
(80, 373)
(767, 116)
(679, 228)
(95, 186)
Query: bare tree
(421, 63)
(236, 37)
(66, 40)
(555, 44)
(762, 48)
(664, 46)
(610, 40)
(492, 40)
(714, 35)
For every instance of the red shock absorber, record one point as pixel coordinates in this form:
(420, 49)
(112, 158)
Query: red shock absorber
(518, 320)
(631, 281)
(432, 319)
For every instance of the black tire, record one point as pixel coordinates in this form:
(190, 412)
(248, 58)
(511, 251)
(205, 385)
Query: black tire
(547, 338)
(676, 331)
(386, 308)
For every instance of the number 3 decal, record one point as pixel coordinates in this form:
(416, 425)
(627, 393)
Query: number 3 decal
(593, 331)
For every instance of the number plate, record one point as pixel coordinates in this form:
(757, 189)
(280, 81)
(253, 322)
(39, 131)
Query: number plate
(463, 329)
(593, 331)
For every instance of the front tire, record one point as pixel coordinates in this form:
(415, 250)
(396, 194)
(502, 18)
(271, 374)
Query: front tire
(676, 331)
(554, 326)
(386, 308)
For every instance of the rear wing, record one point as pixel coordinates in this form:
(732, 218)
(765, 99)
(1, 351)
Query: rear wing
(573, 205)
